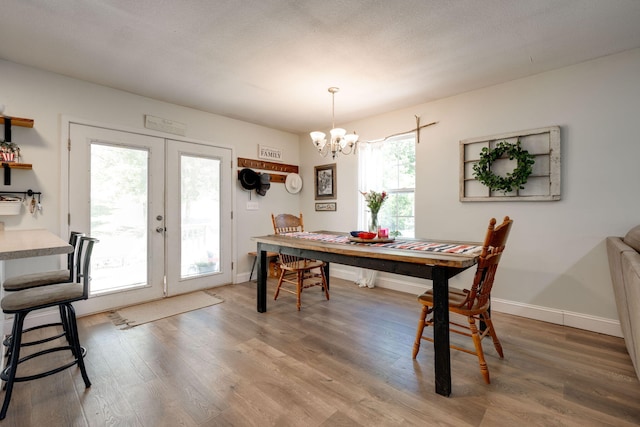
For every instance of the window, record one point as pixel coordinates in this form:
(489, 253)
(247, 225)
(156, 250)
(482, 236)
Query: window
(390, 166)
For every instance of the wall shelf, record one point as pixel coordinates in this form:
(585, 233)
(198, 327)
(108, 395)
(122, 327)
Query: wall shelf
(14, 165)
(7, 166)
(19, 121)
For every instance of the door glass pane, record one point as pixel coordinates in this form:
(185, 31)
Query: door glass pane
(200, 216)
(119, 194)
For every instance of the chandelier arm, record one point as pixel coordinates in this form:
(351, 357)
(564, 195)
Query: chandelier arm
(324, 151)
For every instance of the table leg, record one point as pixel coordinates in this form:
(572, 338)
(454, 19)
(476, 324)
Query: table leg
(261, 285)
(442, 362)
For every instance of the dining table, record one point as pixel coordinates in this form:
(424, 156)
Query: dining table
(433, 259)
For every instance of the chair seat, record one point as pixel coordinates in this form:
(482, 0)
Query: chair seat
(32, 299)
(33, 280)
(456, 298)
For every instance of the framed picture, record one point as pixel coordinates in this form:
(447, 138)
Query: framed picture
(326, 207)
(325, 180)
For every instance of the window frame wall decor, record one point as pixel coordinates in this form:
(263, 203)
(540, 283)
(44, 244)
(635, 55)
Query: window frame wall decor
(325, 180)
(543, 184)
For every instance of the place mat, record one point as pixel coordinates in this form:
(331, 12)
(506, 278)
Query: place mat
(135, 315)
(413, 245)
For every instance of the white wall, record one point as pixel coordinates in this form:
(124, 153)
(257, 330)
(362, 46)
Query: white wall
(46, 97)
(555, 267)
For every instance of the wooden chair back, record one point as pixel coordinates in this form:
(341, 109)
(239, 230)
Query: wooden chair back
(492, 248)
(287, 223)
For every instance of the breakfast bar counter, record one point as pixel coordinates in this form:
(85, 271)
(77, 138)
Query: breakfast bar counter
(16, 244)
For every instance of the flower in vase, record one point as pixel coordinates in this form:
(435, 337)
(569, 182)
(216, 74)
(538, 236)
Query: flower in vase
(374, 200)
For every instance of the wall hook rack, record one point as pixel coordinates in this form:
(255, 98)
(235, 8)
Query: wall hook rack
(25, 194)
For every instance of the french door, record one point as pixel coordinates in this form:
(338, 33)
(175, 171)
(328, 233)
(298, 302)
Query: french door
(161, 209)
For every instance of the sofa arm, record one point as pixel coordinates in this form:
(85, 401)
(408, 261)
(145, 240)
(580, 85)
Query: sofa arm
(615, 250)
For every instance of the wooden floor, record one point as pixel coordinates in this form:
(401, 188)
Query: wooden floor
(344, 362)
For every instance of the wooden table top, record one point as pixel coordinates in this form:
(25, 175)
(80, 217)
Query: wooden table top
(31, 243)
(376, 252)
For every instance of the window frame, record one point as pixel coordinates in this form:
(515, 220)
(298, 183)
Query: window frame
(368, 181)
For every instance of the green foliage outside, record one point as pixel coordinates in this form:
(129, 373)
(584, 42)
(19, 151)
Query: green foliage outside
(398, 180)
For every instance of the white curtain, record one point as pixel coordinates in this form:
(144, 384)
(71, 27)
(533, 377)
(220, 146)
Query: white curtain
(366, 278)
(370, 162)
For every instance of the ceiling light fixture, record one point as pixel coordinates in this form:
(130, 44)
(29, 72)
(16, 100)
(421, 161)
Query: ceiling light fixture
(340, 140)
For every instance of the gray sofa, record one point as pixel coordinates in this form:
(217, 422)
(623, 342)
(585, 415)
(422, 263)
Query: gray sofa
(624, 264)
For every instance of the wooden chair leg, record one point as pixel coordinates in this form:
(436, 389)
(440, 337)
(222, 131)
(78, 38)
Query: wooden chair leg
(324, 284)
(421, 323)
(478, 345)
(494, 336)
(275, 297)
(299, 283)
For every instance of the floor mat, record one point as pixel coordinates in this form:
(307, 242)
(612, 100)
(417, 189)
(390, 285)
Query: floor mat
(135, 315)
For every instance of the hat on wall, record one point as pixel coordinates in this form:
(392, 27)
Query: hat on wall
(249, 179)
(265, 184)
(293, 183)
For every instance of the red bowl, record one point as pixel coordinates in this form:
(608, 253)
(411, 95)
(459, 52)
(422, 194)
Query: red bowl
(367, 235)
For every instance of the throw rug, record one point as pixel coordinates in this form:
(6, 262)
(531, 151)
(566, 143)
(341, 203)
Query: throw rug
(414, 245)
(135, 315)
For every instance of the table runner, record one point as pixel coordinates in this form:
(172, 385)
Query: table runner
(415, 245)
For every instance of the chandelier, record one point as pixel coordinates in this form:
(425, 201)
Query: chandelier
(340, 140)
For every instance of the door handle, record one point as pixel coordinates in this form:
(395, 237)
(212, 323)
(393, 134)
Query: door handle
(160, 229)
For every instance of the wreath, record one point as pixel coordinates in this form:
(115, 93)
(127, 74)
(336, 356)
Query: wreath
(513, 180)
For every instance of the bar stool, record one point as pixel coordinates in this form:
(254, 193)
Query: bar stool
(62, 295)
(34, 280)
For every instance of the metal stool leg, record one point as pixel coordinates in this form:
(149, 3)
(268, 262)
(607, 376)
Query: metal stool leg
(10, 370)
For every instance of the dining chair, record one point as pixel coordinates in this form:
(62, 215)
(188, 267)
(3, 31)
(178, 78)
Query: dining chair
(300, 272)
(62, 295)
(474, 303)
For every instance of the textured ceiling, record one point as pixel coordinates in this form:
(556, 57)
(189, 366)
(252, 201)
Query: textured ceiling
(270, 62)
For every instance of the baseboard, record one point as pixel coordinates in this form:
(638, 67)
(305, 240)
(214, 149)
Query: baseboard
(559, 317)
(551, 315)
(244, 277)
